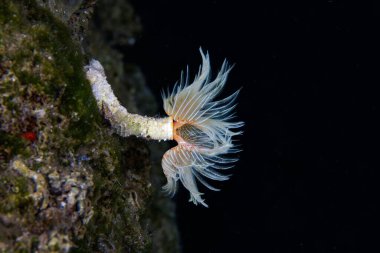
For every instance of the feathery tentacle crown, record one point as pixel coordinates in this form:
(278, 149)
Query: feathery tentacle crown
(203, 130)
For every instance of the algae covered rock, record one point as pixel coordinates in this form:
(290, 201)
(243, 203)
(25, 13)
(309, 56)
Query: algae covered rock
(48, 132)
(66, 183)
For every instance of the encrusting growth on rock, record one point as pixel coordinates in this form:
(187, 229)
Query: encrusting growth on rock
(201, 126)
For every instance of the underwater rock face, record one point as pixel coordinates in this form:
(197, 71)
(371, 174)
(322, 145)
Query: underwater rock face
(66, 183)
(45, 184)
(47, 133)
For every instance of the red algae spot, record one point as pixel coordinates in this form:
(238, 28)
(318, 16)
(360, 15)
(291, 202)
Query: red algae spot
(31, 136)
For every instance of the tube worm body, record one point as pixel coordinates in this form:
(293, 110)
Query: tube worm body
(123, 122)
(201, 125)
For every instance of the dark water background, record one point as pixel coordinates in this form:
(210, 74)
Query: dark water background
(306, 180)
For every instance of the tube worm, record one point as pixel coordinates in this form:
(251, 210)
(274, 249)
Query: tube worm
(201, 125)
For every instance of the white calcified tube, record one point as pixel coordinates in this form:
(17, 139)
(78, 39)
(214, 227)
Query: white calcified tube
(124, 123)
(200, 124)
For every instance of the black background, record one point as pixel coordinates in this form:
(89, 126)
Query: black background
(306, 178)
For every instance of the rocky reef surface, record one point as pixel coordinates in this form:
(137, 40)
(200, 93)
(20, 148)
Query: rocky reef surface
(67, 184)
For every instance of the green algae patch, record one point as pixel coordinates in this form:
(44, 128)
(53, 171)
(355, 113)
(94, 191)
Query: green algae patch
(50, 61)
(15, 193)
